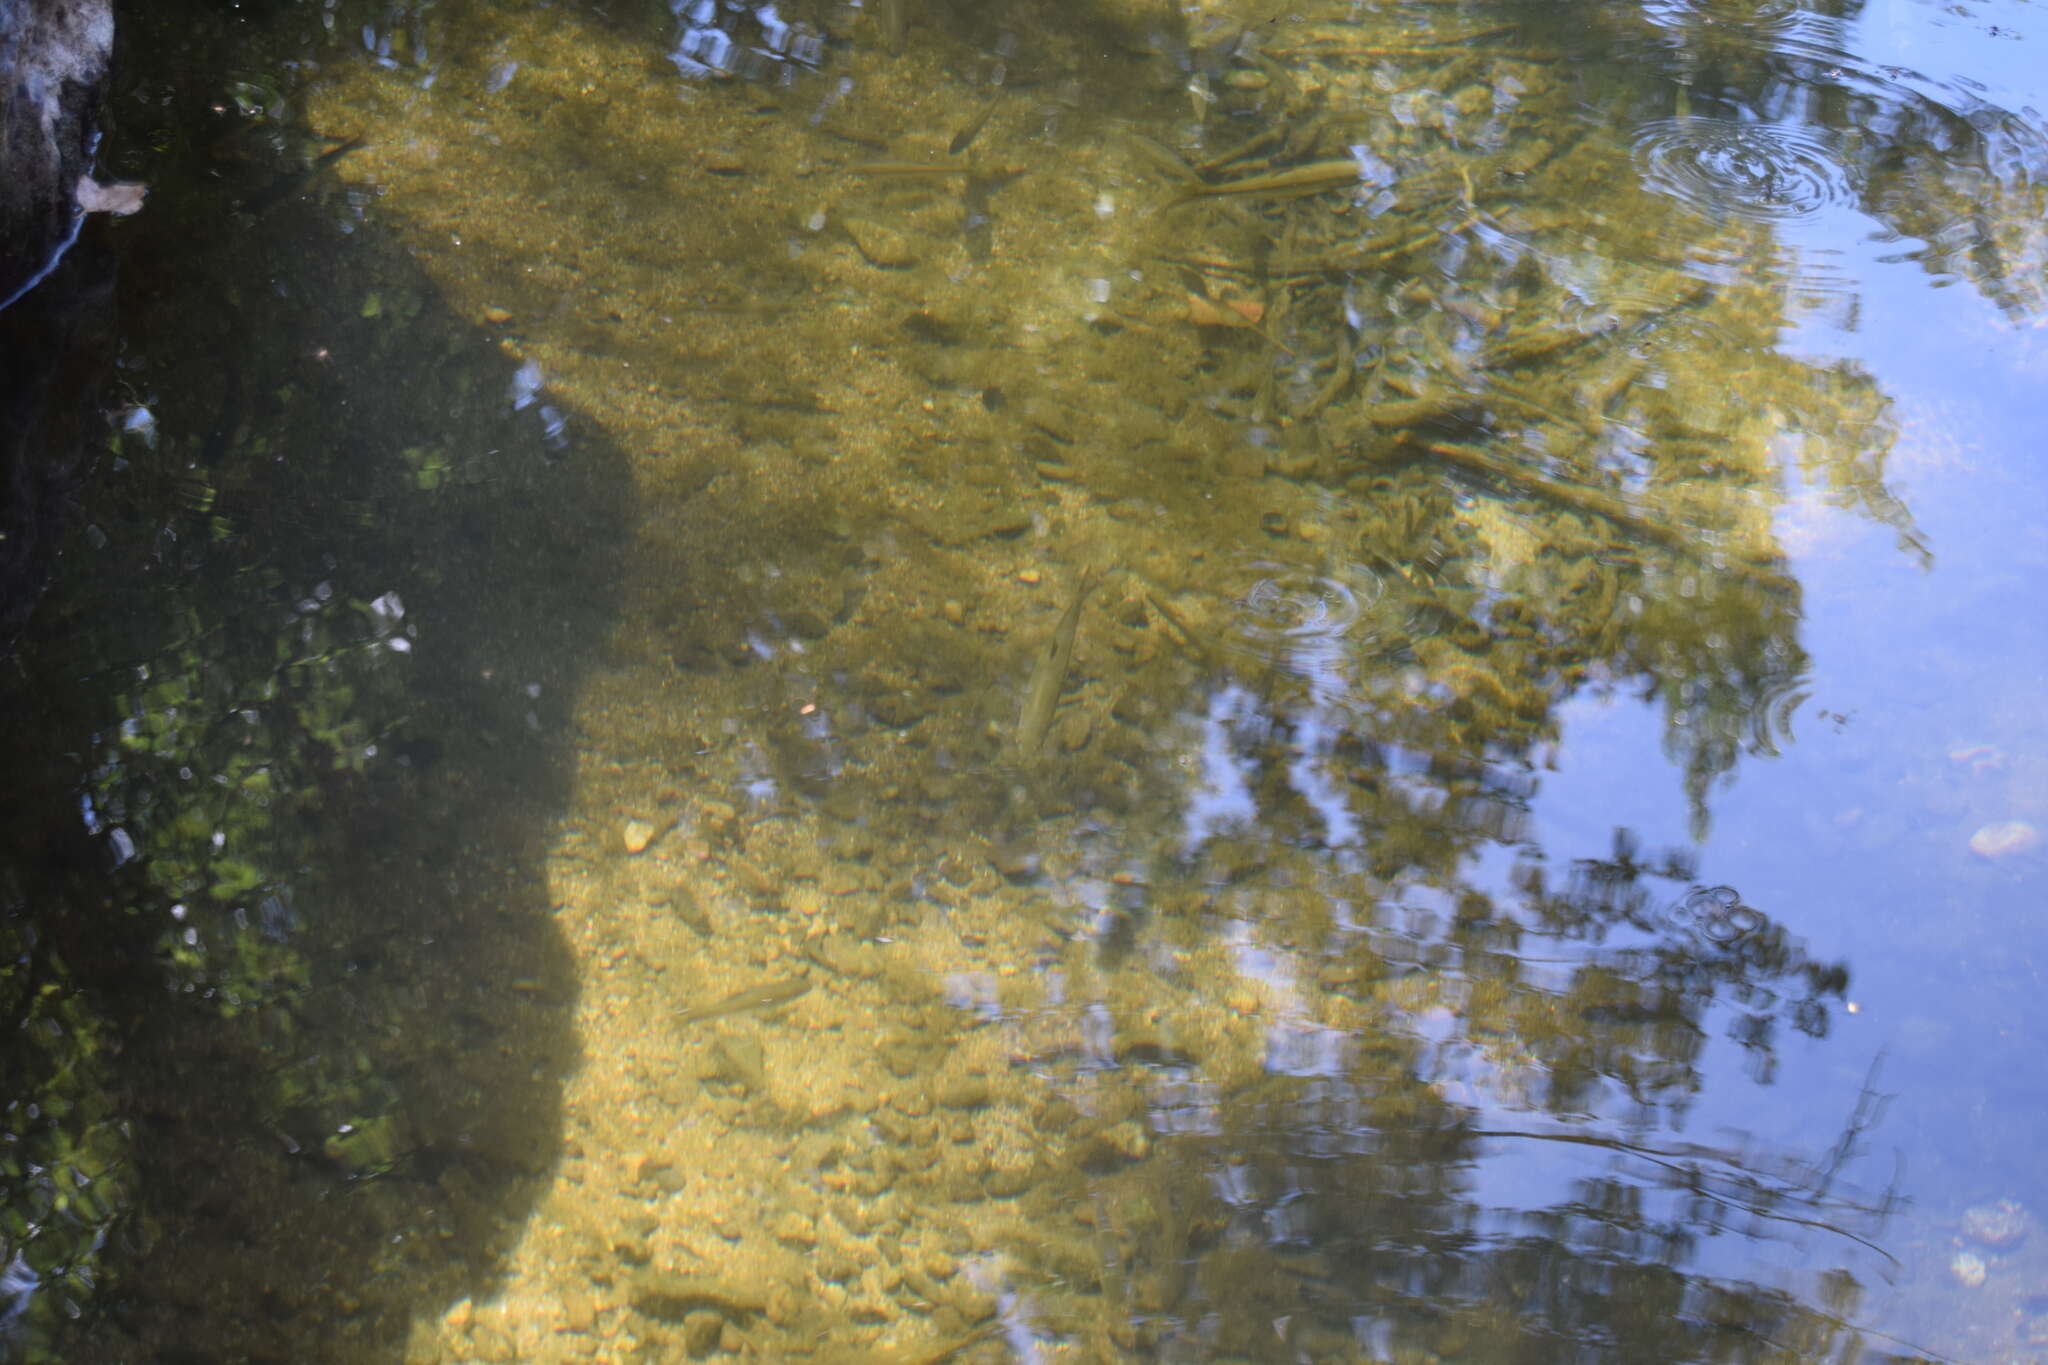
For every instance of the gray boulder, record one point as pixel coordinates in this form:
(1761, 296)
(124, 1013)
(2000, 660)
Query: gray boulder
(53, 63)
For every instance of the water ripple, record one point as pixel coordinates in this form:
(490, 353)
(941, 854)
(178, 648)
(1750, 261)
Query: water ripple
(1757, 23)
(1759, 171)
(1289, 614)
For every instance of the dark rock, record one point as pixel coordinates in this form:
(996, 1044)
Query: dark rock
(53, 61)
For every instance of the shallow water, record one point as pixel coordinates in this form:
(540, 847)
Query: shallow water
(522, 847)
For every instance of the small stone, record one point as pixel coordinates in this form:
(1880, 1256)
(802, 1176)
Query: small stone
(899, 710)
(1245, 462)
(824, 1109)
(972, 1304)
(637, 835)
(1121, 1142)
(460, 1315)
(805, 625)
(739, 1060)
(491, 1342)
(965, 1092)
(1299, 465)
(750, 879)
(954, 612)
(701, 1331)
(1968, 1268)
(1128, 1140)
(579, 1311)
(792, 1229)
(1008, 1180)
(497, 317)
(1472, 100)
(689, 910)
(900, 1054)
(880, 245)
(785, 1306)
(921, 1284)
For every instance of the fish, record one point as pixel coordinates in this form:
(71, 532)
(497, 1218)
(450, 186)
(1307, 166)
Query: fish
(1311, 177)
(928, 1353)
(964, 139)
(767, 995)
(290, 183)
(1195, 641)
(910, 170)
(1049, 675)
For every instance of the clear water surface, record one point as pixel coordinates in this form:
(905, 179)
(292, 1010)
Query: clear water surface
(1042, 682)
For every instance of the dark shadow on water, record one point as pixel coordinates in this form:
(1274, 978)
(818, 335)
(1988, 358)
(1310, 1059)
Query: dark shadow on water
(286, 735)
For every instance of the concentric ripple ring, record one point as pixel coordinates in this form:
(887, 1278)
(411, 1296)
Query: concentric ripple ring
(1289, 609)
(1759, 171)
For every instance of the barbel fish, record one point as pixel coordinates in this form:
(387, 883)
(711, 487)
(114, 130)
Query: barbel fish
(1049, 675)
(1312, 177)
(767, 995)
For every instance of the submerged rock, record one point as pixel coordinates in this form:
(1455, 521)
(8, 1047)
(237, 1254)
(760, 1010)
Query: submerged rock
(674, 1297)
(880, 245)
(53, 64)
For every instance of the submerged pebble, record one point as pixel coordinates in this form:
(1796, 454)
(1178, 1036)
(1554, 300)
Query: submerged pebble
(880, 245)
(675, 1297)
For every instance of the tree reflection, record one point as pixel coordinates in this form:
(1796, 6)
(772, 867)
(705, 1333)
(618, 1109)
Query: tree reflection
(1543, 377)
(1345, 1208)
(1351, 1198)
(1582, 333)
